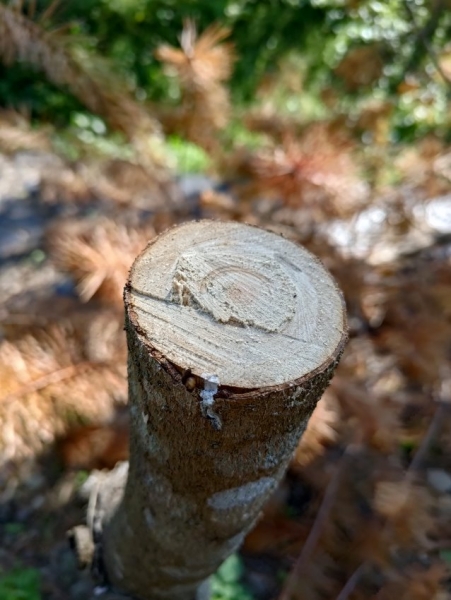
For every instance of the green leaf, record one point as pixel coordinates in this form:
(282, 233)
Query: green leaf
(20, 584)
(226, 585)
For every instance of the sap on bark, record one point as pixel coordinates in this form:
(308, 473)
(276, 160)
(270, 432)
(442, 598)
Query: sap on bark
(233, 334)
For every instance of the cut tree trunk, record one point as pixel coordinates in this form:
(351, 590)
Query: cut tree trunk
(233, 334)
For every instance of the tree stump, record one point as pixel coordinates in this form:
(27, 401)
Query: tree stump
(233, 334)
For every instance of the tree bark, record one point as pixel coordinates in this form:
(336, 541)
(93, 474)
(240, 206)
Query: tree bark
(233, 334)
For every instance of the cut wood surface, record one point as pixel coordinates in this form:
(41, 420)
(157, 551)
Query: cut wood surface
(238, 302)
(233, 334)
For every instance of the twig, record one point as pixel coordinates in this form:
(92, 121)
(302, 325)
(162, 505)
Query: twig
(31, 9)
(431, 434)
(351, 583)
(423, 34)
(46, 380)
(48, 12)
(433, 429)
(318, 525)
(18, 6)
(328, 500)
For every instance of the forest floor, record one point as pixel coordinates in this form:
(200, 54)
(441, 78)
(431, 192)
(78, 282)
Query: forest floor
(365, 509)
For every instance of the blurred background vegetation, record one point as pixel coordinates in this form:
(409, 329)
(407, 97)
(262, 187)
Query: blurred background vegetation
(389, 61)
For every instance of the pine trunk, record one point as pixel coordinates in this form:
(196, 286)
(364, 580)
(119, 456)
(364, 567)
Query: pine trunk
(233, 334)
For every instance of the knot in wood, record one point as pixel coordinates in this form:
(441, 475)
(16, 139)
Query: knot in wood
(235, 286)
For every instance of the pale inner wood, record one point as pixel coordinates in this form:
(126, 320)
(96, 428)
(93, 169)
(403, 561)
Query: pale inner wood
(234, 301)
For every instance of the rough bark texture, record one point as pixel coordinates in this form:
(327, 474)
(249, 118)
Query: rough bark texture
(205, 456)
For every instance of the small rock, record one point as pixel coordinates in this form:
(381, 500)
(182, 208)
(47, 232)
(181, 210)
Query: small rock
(440, 480)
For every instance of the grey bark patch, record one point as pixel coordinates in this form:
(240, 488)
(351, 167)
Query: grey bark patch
(242, 495)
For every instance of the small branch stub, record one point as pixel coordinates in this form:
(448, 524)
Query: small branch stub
(233, 334)
(81, 542)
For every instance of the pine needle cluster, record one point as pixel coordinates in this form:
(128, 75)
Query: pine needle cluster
(88, 77)
(202, 65)
(314, 169)
(16, 134)
(98, 255)
(56, 374)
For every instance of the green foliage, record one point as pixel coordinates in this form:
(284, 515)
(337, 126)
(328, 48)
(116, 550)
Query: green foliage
(80, 478)
(188, 157)
(13, 528)
(408, 38)
(20, 584)
(128, 31)
(24, 89)
(225, 584)
(315, 35)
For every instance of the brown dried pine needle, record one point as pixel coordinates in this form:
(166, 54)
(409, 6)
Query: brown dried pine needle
(17, 134)
(54, 378)
(203, 60)
(202, 65)
(98, 255)
(88, 78)
(314, 170)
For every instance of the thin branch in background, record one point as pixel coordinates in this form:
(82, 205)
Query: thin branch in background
(328, 501)
(64, 28)
(424, 34)
(351, 584)
(49, 11)
(17, 5)
(48, 379)
(431, 434)
(31, 11)
(89, 78)
(443, 402)
(415, 465)
(318, 526)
